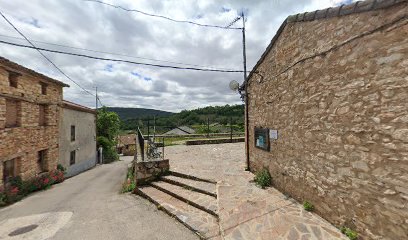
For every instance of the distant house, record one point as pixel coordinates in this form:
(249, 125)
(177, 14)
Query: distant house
(126, 144)
(183, 130)
(77, 139)
(29, 118)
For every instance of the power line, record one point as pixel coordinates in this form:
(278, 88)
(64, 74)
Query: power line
(34, 47)
(110, 53)
(163, 17)
(124, 61)
(99, 100)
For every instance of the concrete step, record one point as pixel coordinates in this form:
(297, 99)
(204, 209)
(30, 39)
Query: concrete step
(198, 186)
(201, 201)
(197, 220)
(183, 175)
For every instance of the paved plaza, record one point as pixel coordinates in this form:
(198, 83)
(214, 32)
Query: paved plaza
(246, 211)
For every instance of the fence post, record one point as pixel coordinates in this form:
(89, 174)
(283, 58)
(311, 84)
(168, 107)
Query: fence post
(208, 127)
(163, 148)
(231, 129)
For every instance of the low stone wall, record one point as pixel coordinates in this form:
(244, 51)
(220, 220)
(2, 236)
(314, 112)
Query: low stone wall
(214, 141)
(149, 171)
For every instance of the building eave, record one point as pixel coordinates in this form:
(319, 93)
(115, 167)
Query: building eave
(15, 67)
(77, 107)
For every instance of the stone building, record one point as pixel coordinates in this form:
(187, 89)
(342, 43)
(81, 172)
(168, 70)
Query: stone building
(127, 144)
(77, 139)
(328, 114)
(29, 118)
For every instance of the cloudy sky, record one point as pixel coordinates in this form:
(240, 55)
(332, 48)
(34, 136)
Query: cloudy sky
(136, 37)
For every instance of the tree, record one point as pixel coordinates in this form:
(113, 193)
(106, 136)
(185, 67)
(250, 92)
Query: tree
(108, 125)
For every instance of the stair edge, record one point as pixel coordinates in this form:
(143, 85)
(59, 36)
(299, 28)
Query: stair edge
(182, 175)
(202, 208)
(180, 184)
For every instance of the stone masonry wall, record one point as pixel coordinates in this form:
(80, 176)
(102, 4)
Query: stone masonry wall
(342, 118)
(150, 170)
(24, 142)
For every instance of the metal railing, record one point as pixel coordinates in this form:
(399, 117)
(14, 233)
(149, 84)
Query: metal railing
(150, 151)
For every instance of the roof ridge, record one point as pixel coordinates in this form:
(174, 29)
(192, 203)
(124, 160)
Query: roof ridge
(342, 10)
(356, 7)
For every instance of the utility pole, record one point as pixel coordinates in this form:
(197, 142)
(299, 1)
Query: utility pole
(246, 92)
(98, 154)
(96, 98)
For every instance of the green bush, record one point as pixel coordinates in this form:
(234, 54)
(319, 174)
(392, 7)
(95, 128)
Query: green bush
(308, 206)
(61, 168)
(263, 178)
(16, 189)
(3, 196)
(352, 235)
(109, 152)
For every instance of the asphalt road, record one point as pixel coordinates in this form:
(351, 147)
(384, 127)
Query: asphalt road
(89, 206)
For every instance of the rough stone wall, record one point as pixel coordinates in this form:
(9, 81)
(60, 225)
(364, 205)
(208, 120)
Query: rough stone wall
(342, 118)
(24, 142)
(150, 170)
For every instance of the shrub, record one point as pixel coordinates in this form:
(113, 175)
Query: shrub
(308, 206)
(263, 178)
(352, 235)
(3, 197)
(16, 189)
(109, 153)
(16, 182)
(61, 168)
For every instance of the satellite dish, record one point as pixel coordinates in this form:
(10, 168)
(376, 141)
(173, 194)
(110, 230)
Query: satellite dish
(234, 85)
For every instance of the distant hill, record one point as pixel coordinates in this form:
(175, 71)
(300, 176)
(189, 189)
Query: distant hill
(134, 117)
(136, 113)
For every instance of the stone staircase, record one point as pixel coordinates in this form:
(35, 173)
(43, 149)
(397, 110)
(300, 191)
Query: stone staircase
(191, 200)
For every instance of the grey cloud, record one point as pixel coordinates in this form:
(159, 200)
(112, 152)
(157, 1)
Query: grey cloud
(94, 26)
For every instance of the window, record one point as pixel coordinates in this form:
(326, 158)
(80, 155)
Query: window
(10, 169)
(41, 116)
(42, 164)
(72, 158)
(12, 109)
(72, 133)
(262, 138)
(13, 79)
(43, 88)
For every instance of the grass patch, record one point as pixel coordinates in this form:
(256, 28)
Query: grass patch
(352, 235)
(129, 185)
(308, 206)
(263, 178)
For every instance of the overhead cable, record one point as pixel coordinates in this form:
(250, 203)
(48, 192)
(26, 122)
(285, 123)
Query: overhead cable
(160, 16)
(38, 49)
(122, 60)
(109, 53)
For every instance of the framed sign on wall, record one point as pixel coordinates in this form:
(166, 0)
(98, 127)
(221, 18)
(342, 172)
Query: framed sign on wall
(262, 138)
